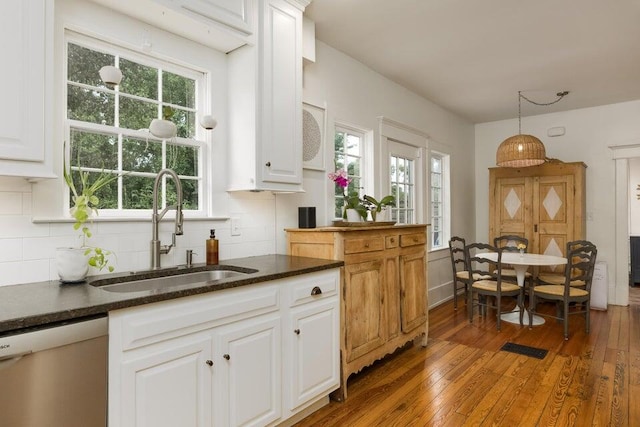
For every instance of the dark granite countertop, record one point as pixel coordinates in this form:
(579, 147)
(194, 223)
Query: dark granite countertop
(41, 303)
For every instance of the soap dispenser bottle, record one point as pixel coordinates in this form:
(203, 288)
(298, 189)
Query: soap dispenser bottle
(212, 249)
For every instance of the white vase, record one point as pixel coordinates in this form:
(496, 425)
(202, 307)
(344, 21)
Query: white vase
(164, 129)
(72, 264)
(383, 215)
(353, 216)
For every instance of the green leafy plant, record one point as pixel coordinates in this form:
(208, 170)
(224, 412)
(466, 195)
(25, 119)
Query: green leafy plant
(375, 206)
(85, 204)
(353, 201)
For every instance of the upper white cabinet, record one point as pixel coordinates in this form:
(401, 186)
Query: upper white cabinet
(265, 103)
(26, 27)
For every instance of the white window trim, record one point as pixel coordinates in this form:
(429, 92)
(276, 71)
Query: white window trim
(446, 198)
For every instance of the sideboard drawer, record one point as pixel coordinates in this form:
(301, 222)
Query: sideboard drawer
(391, 242)
(413, 239)
(368, 244)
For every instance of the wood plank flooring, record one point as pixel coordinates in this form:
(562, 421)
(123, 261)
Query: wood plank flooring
(463, 379)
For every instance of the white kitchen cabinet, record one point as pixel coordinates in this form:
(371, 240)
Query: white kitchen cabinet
(221, 358)
(26, 27)
(170, 385)
(315, 364)
(247, 372)
(265, 102)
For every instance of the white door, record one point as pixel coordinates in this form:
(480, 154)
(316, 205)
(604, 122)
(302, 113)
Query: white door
(247, 372)
(315, 367)
(170, 386)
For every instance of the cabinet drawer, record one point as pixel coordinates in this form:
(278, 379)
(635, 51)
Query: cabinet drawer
(412, 239)
(314, 287)
(391, 242)
(144, 325)
(369, 244)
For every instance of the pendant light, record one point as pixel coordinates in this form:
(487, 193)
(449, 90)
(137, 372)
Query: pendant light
(523, 150)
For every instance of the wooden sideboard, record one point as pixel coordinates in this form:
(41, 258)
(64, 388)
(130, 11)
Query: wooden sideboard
(383, 298)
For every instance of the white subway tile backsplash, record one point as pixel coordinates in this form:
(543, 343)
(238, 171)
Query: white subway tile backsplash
(10, 203)
(10, 250)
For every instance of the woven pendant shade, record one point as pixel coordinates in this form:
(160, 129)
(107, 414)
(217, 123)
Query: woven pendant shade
(520, 151)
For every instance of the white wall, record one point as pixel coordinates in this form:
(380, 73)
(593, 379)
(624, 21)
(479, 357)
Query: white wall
(357, 95)
(589, 133)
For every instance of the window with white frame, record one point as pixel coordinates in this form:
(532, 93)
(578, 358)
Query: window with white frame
(349, 153)
(107, 127)
(439, 200)
(404, 181)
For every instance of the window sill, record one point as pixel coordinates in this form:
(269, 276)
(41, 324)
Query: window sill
(58, 220)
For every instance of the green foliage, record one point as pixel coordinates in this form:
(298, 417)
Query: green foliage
(353, 201)
(85, 204)
(376, 206)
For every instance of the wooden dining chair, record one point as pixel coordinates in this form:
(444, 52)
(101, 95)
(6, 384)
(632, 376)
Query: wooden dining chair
(490, 283)
(459, 266)
(510, 242)
(559, 279)
(569, 298)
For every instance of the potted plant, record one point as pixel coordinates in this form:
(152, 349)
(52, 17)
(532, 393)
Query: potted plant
(354, 210)
(375, 207)
(73, 263)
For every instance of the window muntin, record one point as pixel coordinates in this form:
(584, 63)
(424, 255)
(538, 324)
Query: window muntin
(348, 155)
(107, 127)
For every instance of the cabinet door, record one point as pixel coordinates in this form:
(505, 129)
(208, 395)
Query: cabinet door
(247, 372)
(281, 88)
(511, 208)
(553, 214)
(169, 386)
(364, 307)
(314, 370)
(413, 290)
(26, 29)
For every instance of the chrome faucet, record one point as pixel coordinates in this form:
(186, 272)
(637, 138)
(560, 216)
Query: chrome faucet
(156, 248)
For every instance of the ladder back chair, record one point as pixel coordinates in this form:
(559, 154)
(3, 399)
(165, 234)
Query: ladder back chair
(558, 278)
(459, 265)
(569, 297)
(490, 283)
(510, 243)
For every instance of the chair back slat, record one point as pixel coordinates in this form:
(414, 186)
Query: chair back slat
(509, 242)
(456, 251)
(581, 260)
(481, 266)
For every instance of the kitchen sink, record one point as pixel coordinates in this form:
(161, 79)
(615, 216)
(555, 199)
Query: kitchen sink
(140, 282)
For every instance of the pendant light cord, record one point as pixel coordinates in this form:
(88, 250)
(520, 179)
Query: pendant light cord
(560, 95)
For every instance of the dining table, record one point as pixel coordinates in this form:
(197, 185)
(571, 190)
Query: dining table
(521, 261)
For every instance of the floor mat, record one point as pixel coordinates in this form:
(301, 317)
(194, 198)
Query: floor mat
(538, 353)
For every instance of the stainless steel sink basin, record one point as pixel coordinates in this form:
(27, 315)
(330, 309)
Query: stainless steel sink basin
(133, 284)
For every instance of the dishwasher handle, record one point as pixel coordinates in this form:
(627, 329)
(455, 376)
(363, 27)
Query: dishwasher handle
(10, 360)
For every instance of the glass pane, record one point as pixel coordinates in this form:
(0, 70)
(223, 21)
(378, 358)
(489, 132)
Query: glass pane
(137, 192)
(354, 186)
(338, 142)
(402, 198)
(436, 240)
(353, 145)
(90, 106)
(339, 161)
(436, 224)
(183, 160)
(436, 180)
(436, 164)
(189, 193)
(141, 156)
(409, 170)
(107, 195)
(138, 79)
(93, 150)
(84, 65)
(436, 209)
(402, 217)
(185, 122)
(178, 90)
(392, 169)
(436, 195)
(135, 114)
(353, 166)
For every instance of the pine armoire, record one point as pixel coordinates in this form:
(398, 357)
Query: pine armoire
(545, 204)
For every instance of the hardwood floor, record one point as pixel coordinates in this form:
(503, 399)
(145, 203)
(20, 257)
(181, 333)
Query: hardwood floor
(462, 378)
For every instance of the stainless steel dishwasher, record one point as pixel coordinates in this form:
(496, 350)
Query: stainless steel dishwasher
(55, 376)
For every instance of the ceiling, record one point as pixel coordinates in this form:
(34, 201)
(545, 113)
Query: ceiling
(472, 57)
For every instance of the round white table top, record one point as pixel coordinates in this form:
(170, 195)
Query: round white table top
(516, 258)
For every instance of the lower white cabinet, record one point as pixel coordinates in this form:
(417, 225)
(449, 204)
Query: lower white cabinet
(247, 372)
(223, 358)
